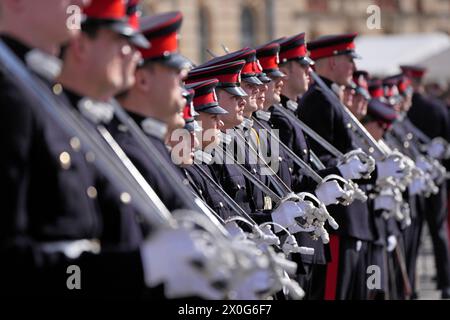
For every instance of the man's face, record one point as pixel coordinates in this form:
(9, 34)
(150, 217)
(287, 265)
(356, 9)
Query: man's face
(235, 106)
(211, 126)
(185, 145)
(343, 68)
(50, 17)
(297, 77)
(164, 91)
(252, 91)
(406, 102)
(176, 121)
(261, 96)
(359, 106)
(111, 60)
(274, 88)
(376, 129)
(348, 97)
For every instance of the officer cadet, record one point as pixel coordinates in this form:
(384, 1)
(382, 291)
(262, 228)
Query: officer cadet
(431, 119)
(400, 138)
(43, 180)
(209, 113)
(155, 100)
(378, 119)
(391, 92)
(250, 84)
(361, 97)
(231, 98)
(294, 64)
(348, 93)
(52, 214)
(333, 57)
(86, 85)
(183, 143)
(268, 57)
(106, 28)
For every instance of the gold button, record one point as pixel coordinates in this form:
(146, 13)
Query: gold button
(239, 186)
(291, 170)
(90, 156)
(305, 151)
(57, 89)
(75, 144)
(221, 204)
(125, 197)
(122, 128)
(64, 160)
(91, 192)
(185, 182)
(349, 125)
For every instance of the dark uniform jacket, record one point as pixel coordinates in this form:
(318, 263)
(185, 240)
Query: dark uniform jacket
(328, 121)
(44, 182)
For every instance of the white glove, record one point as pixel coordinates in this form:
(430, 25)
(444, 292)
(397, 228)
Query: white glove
(417, 186)
(424, 164)
(168, 258)
(256, 286)
(386, 200)
(353, 168)
(329, 192)
(437, 148)
(285, 216)
(235, 231)
(431, 166)
(391, 243)
(290, 245)
(356, 165)
(391, 167)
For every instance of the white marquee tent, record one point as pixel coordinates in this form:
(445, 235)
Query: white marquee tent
(382, 54)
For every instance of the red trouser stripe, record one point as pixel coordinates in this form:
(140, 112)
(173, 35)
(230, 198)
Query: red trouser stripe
(448, 218)
(332, 269)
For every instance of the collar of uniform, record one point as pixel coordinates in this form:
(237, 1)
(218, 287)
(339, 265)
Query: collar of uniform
(153, 127)
(202, 157)
(332, 85)
(19, 48)
(226, 138)
(401, 116)
(245, 125)
(248, 123)
(289, 104)
(95, 111)
(43, 64)
(292, 105)
(263, 115)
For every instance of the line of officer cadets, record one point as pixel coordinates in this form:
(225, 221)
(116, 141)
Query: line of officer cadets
(61, 209)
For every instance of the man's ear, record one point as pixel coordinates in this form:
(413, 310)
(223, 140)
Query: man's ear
(286, 70)
(331, 62)
(144, 79)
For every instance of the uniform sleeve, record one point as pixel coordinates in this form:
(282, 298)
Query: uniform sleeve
(316, 112)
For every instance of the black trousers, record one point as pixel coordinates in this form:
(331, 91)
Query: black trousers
(377, 256)
(436, 216)
(352, 270)
(411, 239)
(313, 281)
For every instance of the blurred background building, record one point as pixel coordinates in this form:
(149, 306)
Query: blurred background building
(237, 23)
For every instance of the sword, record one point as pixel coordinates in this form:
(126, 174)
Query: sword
(353, 121)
